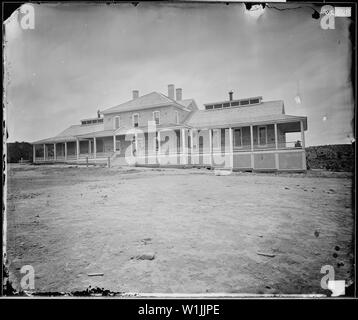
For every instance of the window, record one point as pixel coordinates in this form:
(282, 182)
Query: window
(210, 107)
(254, 101)
(117, 121)
(234, 104)
(238, 138)
(218, 106)
(244, 102)
(135, 119)
(262, 136)
(226, 105)
(156, 117)
(176, 117)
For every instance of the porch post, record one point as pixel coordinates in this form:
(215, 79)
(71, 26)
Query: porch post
(34, 153)
(191, 146)
(302, 134)
(252, 146)
(304, 164)
(136, 143)
(77, 148)
(65, 151)
(211, 146)
(44, 151)
(89, 147)
(184, 154)
(114, 143)
(54, 151)
(94, 147)
(231, 148)
(276, 145)
(159, 147)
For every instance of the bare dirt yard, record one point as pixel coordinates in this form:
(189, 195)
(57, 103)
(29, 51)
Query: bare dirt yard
(177, 230)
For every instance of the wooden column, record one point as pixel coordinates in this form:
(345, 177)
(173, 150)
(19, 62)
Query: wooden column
(303, 143)
(211, 146)
(65, 150)
(94, 147)
(54, 151)
(184, 154)
(159, 148)
(114, 143)
(231, 148)
(44, 151)
(34, 153)
(136, 143)
(89, 147)
(302, 134)
(78, 148)
(252, 146)
(191, 146)
(276, 147)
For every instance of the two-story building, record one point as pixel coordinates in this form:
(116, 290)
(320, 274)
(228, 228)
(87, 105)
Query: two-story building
(166, 130)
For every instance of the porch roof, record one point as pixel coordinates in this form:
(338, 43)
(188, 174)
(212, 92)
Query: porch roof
(264, 120)
(72, 132)
(55, 139)
(264, 113)
(97, 134)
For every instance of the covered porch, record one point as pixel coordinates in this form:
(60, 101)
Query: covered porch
(266, 146)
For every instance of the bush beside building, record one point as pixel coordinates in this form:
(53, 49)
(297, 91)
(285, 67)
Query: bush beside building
(18, 150)
(337, 157)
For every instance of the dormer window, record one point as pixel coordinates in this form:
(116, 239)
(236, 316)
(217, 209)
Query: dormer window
(92, 121)
(156, 117)
(135, 120)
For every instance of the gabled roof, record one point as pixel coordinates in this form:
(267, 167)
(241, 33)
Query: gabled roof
(188, 103)
(266, 111)
(150, 100)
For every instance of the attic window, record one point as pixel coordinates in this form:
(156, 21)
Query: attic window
(244, 102)
(210, 107)
(254, 101)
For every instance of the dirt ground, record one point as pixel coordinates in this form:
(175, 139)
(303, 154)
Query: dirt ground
(205, 231)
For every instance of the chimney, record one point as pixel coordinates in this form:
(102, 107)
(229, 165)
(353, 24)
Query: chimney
(230, 95)
(171, 91)
(179, 92)
(135, 94)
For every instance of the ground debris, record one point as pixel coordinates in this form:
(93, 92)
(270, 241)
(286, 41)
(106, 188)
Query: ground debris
(98, 274)
(145, 256)
(270, 255)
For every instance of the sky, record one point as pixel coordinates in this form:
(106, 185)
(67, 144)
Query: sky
(81, 58)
